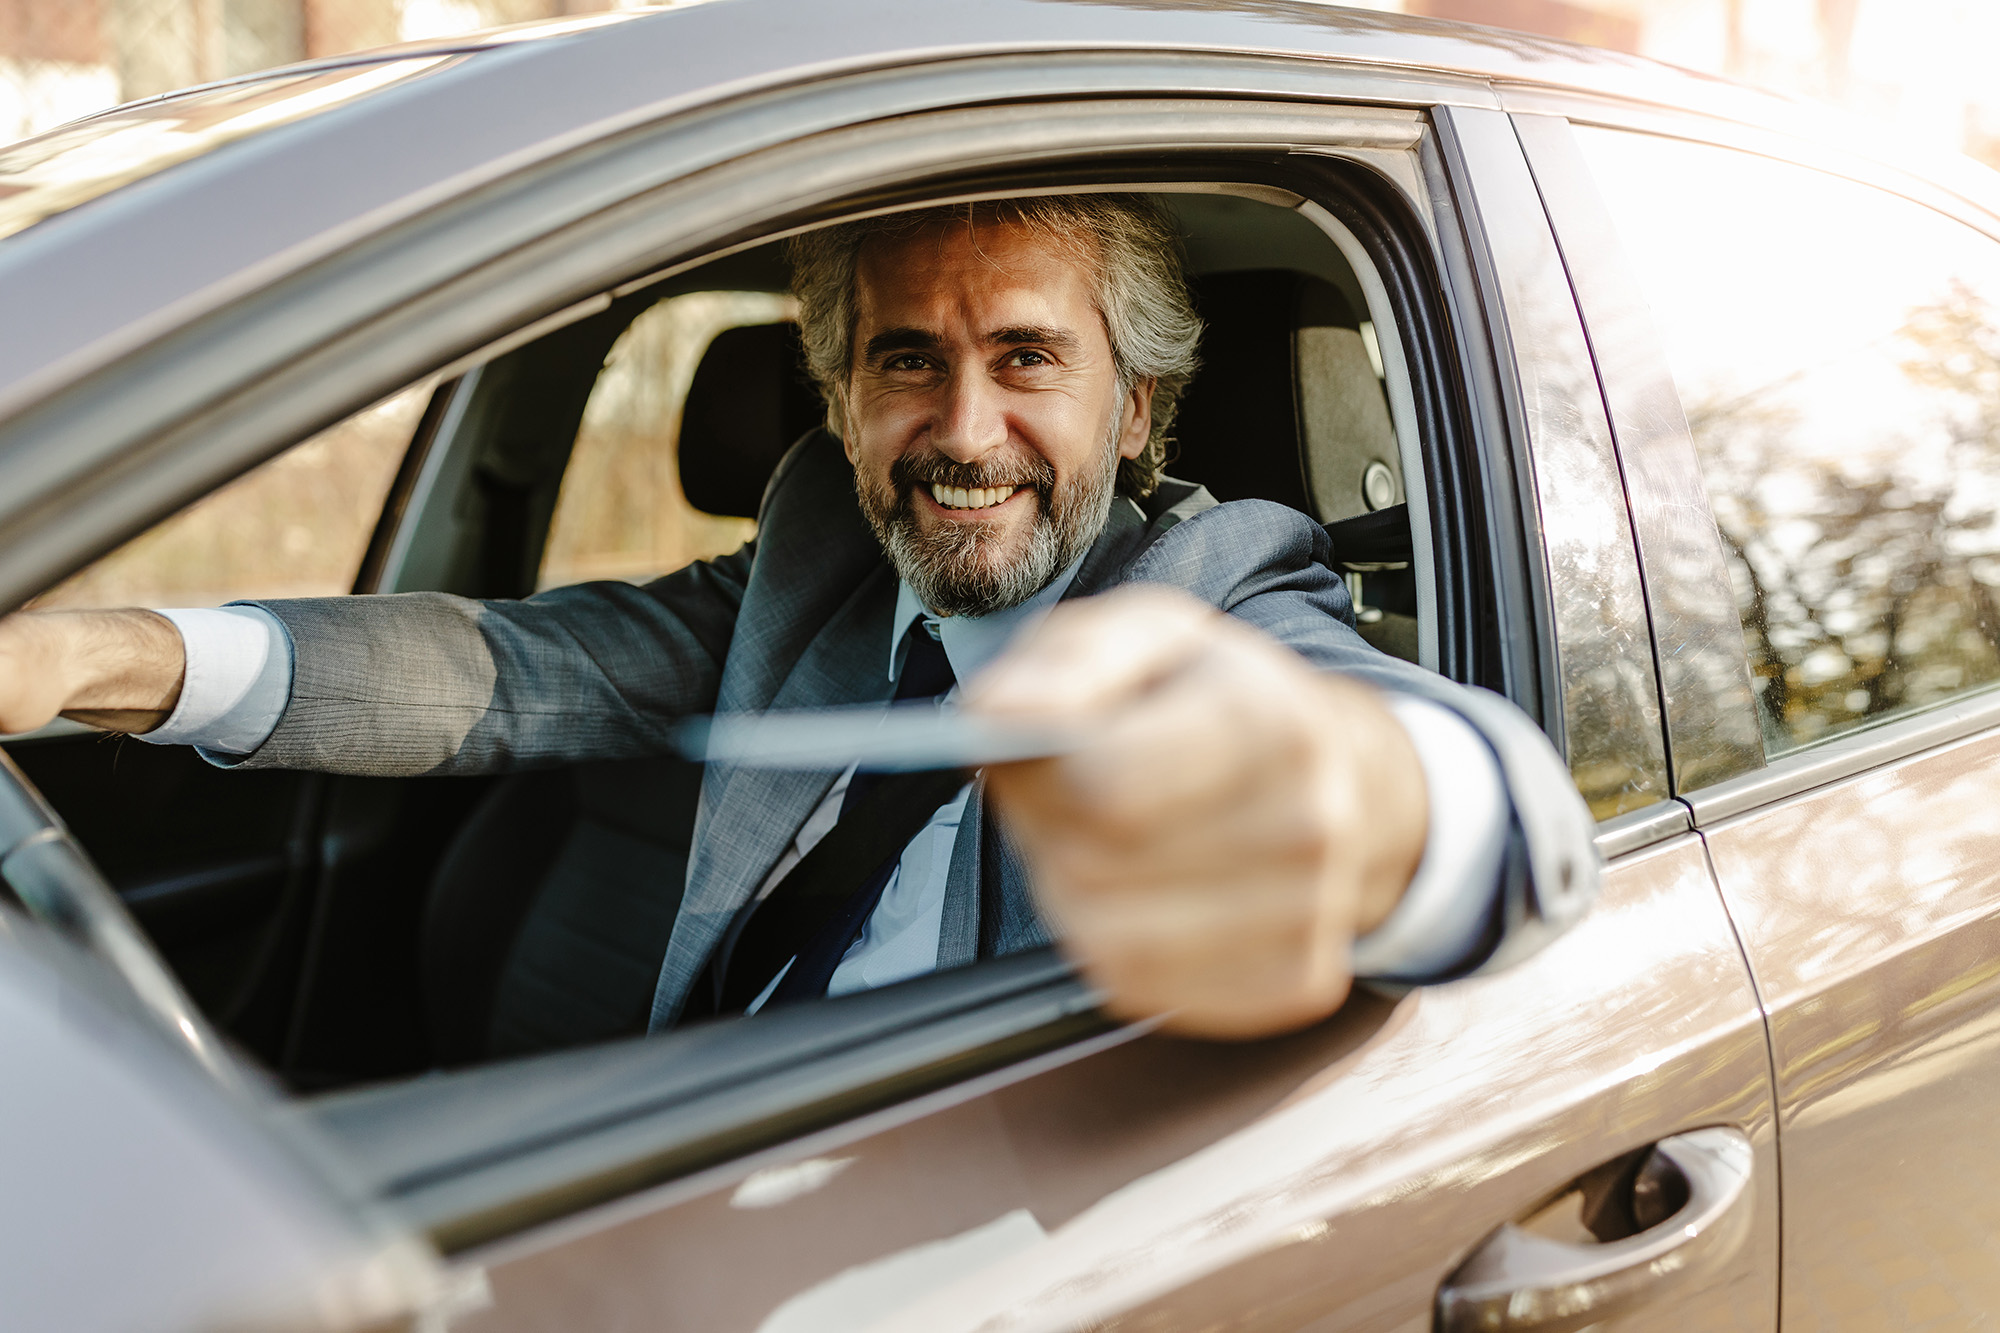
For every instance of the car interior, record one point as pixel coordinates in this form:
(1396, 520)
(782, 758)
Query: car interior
(353, 930)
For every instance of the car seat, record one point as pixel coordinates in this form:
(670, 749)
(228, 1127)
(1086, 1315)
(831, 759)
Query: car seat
(550, 911)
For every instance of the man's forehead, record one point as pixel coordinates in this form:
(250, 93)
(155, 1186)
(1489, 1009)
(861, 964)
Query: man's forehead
(952, 261)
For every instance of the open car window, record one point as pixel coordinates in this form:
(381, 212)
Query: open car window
(297, 526)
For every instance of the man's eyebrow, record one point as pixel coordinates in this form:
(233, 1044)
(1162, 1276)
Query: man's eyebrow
(911, 339)
(904, 339)
(1022, 335)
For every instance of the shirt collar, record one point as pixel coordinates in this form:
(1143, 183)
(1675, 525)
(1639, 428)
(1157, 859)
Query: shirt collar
(970, 642)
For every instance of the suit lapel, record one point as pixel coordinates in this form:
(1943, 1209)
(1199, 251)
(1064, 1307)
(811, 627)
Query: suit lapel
(813, 632)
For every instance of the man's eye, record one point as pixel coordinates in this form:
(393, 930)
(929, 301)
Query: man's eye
(908, 361)
(1025, 357)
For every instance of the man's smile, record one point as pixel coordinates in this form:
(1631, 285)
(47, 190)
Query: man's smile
(964, 498)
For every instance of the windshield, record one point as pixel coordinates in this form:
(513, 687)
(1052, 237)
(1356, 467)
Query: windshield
(52, 172)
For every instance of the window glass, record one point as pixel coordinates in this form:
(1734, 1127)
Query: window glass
(621, 513)
(296, 526)
(1838, 355)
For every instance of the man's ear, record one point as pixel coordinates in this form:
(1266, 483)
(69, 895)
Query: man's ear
(1135, 425)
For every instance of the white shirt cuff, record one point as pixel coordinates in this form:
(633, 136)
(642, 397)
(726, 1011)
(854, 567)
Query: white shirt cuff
(1444, 913)
(238, 681)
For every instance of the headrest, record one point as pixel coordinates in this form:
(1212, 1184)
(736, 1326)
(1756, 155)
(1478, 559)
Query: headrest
(1287, 405)
(748, 402)
(1237, 431)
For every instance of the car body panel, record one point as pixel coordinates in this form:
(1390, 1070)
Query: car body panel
(1859, 873)
(141, 1193)
(1870, 910)
(1336, 1176)
(1610, 728)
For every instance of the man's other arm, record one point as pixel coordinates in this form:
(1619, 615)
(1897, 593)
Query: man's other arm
(389, 686)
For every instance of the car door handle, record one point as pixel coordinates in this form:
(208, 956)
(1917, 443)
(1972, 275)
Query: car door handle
(1519, 1280)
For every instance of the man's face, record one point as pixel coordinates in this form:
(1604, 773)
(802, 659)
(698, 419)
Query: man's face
(984, 417)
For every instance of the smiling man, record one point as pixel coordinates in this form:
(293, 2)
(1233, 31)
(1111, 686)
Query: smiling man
(1267, 805)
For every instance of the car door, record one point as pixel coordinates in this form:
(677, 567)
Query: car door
(975, 1151)
(1829, 330)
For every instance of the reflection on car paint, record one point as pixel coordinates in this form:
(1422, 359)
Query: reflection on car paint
(1870, 911)
(52, 172)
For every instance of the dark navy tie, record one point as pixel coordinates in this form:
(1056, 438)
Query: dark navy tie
(926, 675)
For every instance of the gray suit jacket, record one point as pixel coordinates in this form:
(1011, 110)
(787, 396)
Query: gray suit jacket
(423, 683)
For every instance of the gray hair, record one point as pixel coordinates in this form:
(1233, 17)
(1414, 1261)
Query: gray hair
(1128, 241)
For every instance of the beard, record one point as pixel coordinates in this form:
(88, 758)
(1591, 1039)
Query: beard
(975, 569)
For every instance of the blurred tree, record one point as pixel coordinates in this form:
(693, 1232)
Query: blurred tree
(1866, 585)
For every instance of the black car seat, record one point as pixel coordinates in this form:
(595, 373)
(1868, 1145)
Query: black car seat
(550, 911)
(748, 402)
(1289, 406)
(549, 914)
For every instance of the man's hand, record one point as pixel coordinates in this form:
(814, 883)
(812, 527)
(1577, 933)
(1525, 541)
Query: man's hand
(1240, 820)
(120, 670)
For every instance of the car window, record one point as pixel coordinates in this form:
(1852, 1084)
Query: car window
(297, 526)
(621, 512)
(1837, 350)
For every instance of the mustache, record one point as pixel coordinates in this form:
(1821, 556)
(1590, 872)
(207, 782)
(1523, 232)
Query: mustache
(910, 472)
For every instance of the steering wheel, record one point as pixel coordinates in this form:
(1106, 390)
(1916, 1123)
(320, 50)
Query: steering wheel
(55, 881)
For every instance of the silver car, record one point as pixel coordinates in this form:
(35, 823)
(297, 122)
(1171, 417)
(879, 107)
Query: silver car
(1666, 410)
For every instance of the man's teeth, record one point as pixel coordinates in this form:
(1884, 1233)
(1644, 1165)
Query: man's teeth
(969, 497)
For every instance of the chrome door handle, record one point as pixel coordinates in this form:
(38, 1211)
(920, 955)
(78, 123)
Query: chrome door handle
(1517, 1280)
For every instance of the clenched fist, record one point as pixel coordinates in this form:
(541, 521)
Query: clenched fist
(1238, 820)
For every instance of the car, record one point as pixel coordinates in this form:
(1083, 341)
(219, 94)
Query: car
(1665, 409)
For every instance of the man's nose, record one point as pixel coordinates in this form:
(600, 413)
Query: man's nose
(971, 420)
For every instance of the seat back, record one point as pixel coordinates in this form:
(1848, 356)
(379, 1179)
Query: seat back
(550, 912)
(1288, 405)
(748, 402)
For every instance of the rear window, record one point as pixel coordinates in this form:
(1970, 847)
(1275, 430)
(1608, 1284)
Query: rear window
(1837, 350)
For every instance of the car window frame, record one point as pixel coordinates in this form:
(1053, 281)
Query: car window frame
(999, 1020)
(203, 400)
(1599, 682)
(1709, 711)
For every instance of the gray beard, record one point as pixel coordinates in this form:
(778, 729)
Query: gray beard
(958, 570)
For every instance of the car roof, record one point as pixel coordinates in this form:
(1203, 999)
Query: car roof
(148, 255)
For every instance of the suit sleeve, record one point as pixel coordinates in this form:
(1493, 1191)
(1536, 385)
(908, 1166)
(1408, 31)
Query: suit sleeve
(428, 683)
(1271, 567)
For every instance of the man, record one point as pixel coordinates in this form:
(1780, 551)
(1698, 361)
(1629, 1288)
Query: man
(1266, 804)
